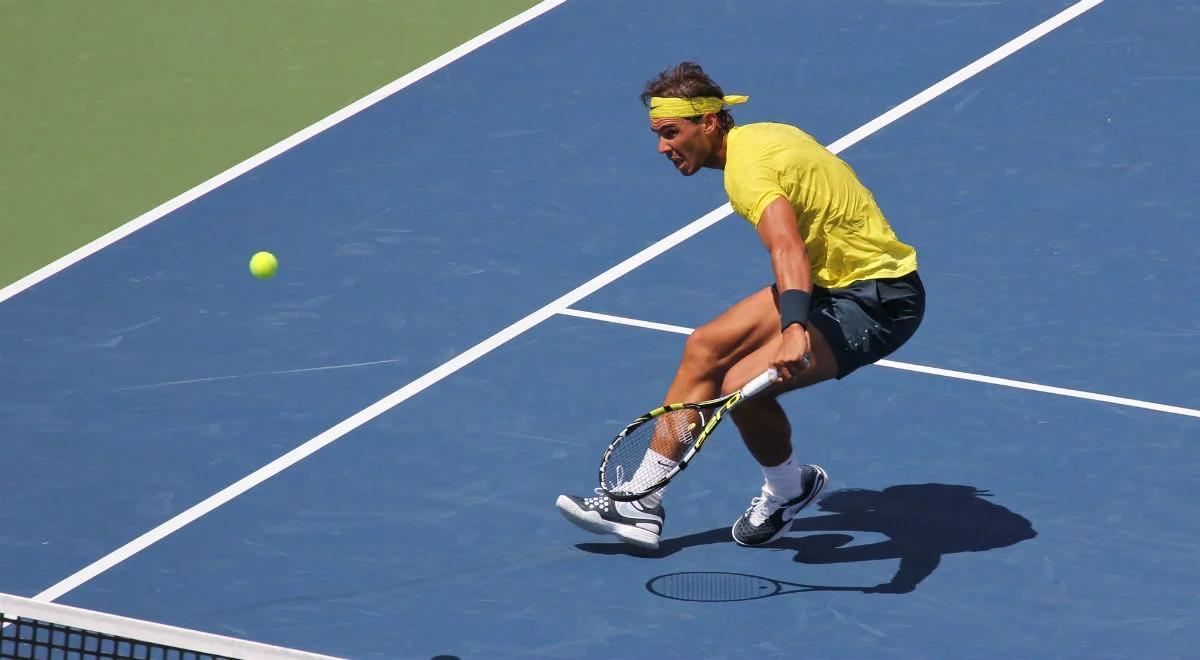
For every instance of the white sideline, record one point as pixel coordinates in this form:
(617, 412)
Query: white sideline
(156, 213)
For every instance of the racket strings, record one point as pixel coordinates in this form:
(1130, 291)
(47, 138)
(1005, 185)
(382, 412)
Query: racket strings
(649, 453)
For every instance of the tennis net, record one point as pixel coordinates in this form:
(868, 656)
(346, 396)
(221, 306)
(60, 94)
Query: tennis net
(31, 629)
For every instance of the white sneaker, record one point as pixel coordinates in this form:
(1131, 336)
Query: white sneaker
(769, 516)
(631, 522)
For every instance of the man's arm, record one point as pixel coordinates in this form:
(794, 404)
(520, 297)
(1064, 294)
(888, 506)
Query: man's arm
(793, 272)
(789, 256)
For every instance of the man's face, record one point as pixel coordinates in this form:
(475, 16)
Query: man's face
(687, 143)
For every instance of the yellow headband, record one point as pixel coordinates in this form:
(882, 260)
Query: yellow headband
(662, 107)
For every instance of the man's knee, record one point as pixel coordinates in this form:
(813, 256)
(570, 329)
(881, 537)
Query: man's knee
(704, 353)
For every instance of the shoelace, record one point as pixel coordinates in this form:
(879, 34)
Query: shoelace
(620, 479)
(763, 506)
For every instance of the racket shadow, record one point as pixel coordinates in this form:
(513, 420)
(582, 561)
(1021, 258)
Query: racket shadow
(922, 522)
(725, 587)
(729, 587)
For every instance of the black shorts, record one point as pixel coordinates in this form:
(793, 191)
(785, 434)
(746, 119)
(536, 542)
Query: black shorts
(869, 319)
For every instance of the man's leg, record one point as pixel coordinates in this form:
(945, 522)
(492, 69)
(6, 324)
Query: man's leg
(761, 420)
(717, 346)
(708, 354)
(764, 426)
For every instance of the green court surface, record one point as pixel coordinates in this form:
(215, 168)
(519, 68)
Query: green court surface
(111, 108)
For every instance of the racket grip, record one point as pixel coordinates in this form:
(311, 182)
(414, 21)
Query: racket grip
(760, 383)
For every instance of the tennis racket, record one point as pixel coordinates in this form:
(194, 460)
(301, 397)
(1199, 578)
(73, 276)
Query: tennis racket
(717, 587)
(676, 431)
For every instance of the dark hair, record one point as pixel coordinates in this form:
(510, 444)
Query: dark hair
(686, 80)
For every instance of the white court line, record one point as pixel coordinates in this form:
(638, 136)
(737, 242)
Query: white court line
(637, 323)
(934, 371)
(475, 352)
(144, 220)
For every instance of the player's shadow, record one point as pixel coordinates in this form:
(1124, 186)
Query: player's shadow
(922, 523)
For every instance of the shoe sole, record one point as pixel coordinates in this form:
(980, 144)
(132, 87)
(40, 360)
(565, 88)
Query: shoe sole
(594, 523)
(792, 510)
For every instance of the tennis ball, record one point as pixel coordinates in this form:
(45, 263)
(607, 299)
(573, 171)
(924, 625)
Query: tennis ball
(263, 265)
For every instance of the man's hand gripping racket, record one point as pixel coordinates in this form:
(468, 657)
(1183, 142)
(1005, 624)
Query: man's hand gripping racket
(659, 445)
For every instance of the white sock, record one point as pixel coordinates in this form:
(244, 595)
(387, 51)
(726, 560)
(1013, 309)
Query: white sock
(785, 480)
(653, 466)
(653, 499)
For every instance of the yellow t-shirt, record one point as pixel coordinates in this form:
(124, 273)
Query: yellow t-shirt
(846, 234)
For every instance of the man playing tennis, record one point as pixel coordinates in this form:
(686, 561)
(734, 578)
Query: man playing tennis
(846, 294)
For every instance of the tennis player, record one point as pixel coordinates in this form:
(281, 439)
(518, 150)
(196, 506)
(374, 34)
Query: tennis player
(846, 294)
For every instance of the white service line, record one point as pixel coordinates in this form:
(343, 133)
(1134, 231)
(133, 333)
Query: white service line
(66, 261)
(677, 329)
(415, 387)
(920, 368)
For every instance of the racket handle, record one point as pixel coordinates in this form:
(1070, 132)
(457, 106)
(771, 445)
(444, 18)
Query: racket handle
(760, 383)
(766, 378)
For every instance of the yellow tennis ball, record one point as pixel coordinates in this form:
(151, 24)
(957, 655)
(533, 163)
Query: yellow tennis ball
(263, 265)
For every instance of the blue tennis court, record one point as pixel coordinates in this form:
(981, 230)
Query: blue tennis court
(437, 250)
